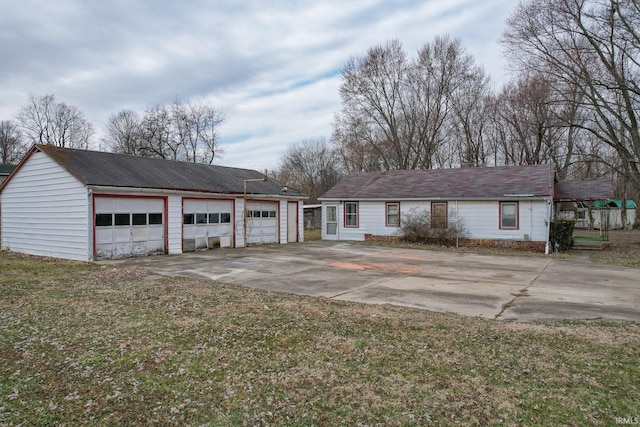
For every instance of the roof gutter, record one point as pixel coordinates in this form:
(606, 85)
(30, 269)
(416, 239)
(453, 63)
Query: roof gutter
(97, 189)
(451, 198)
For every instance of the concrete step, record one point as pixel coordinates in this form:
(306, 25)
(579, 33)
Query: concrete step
(581, 245)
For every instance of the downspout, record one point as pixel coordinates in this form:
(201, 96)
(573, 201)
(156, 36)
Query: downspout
(91, 227)
(548, 243)
(457, 225)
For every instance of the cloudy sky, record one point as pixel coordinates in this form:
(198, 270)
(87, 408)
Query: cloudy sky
(272, 66)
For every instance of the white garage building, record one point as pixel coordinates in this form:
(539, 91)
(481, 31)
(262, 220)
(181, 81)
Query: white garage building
(89, 205)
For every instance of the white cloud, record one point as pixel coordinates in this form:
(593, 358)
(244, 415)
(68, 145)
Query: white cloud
(271, 67)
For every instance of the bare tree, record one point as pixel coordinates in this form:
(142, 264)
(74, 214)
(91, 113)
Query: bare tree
(311, 167)
(196, 128)
(178, 131)
(398, 112)
(157, 134)
(591, 45)
(11, 146)
(124, 133)
(45, 121)
(527, 110)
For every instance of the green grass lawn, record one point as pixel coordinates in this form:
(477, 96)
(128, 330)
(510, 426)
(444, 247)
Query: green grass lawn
(86, 344)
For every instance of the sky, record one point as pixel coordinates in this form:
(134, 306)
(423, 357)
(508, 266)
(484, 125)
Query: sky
(272, 67)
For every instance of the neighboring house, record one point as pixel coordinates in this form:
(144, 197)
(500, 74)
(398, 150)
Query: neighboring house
(5, 171)
(601, 214)
(505, 206)
(88, 205)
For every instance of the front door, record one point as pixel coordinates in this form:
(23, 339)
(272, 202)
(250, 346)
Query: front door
(292, 222)
(332, 220)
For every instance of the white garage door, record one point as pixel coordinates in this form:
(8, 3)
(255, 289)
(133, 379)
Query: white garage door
(206, 224)
(128, 226)
(262, 222)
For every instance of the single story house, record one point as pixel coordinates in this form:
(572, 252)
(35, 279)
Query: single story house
(503, 206)
(88, 205)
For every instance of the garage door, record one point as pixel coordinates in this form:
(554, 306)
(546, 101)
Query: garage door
(262, 222)
(206, 224)
(128, 226)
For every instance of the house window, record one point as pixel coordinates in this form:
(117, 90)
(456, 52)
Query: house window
(509, 215)
(439, 214)
(351, 214)
(393, 214)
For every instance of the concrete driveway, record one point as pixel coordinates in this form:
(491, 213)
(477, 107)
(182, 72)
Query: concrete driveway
(494, 287)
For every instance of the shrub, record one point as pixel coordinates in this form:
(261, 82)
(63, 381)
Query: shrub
(417, 228)
(561, 234)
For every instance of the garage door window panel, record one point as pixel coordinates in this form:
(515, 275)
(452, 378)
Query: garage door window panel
(201, 218)
(155, 219)
(188, 219)
(104, 220)
(214, 218)
(139, 219)
(122, 219)
(225, 218)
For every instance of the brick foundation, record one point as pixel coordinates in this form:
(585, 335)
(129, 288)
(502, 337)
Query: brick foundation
(512, 244)
(374, 238)
(527, 245)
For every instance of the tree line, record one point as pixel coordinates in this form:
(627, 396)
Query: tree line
(187, 131)
(573, 100)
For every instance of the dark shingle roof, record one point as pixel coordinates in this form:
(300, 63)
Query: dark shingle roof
(6, 168)
(464, 183)
(585, 189)
(120, 170)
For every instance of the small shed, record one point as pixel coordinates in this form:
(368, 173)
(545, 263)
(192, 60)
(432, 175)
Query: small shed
(87, 205)
(312, 217)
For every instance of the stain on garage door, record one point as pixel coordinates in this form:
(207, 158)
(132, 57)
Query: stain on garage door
(127, 227)
(262, 222)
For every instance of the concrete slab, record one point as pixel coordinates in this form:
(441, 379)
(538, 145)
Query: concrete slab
(494, 287)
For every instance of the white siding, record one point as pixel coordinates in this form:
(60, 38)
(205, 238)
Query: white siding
(239, 222)
(300, 222)
(174, 224)
(283, 215)
(480, 219)
(45, 211)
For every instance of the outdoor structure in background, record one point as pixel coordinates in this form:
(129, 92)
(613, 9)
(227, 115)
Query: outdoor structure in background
(312, 217)
(599, 214)
(5, 171)
(508, 206)
(87, 205)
